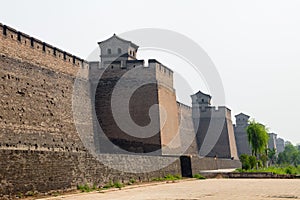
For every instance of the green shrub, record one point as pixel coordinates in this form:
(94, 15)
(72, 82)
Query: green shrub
(275, 170)
(29, 193)
(177, 176)
(168, 177)
(94, 187)
(252, 162)
(113, 185)
(291, 170)
(132, 180)
(118, 185)
(108, 185)
(199, 176)
(158, 179)
(20, 195)
(84, 188)
(260, 163)
(244, 158)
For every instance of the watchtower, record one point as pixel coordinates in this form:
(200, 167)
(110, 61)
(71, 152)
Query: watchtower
(240, 134)
(272, 141)
(144, 93)
(214, 129)
(117, 49)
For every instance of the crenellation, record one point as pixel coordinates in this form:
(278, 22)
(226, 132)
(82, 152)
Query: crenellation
(30, 49)
(215, 111)
(164, 75)
(179, 104)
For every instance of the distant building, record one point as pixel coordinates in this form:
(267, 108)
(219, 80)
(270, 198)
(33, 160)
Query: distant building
(280, 145)
(272, 141)
(240, 133)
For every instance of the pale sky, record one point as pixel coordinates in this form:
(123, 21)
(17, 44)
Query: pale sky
(254, 44)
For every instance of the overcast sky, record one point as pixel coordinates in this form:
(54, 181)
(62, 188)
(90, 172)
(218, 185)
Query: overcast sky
(254, 44)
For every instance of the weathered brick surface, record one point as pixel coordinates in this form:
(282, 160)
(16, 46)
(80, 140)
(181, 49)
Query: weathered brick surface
(40, 148)
(139, 106)
(186, 130)
(23, 170)
(217, 126)
(214, 129)
(26, 48)
(169, 118)
(36, 108)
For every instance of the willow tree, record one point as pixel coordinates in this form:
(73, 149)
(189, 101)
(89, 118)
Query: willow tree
(257, 137)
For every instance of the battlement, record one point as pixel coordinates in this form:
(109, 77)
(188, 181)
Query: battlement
(163, 74)
(21, 46)
(181, 105)
(120, 64)
(215, 112)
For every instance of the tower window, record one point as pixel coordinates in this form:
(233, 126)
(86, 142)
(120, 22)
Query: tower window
(109, 51)
(119, 51)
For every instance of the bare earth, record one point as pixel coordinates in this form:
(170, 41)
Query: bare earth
(221, 189)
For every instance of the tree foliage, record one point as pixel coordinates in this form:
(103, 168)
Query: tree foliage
(252, 161)
(290, 155)
(248, 162)
(244, 158)
(272, 156)
(257, 137)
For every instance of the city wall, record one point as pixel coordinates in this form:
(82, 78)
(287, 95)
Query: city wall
(40, 148)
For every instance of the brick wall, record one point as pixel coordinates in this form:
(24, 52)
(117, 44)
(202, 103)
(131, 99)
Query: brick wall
(22, 171)
(26, 48)
(40, 149)
(186, 130)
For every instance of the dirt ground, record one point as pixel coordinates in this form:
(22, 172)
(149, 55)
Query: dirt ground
(212, 189)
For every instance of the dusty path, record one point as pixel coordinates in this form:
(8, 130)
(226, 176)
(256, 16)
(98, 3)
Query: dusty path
(212, 189)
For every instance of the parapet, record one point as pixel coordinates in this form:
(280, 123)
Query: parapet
(215, 112)
(21, 46)
(163, 74)
(183, 106)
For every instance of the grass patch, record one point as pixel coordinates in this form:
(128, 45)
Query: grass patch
(168, 177)
(108, 185)
(85, 188)
(118, 185)
(275, 170)
(131, 181)
(113, 185)
(198, 176)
